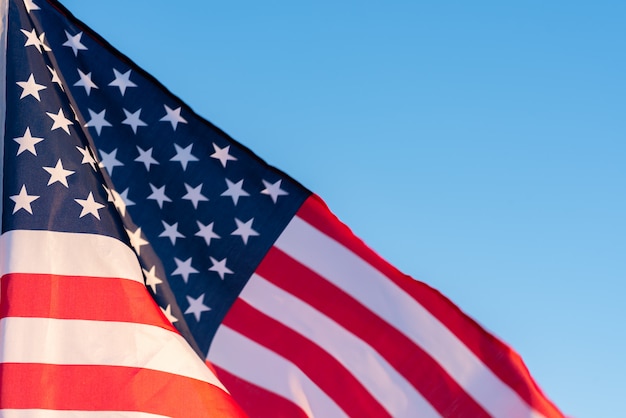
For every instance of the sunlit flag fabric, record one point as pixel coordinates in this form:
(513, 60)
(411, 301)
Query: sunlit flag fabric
(78, 329)
(117, 199)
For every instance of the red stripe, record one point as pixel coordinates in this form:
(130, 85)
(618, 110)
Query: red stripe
(257, 401)
(107, 388)
(426, 375)
(501, 359)
(324, 370)
(77, 297)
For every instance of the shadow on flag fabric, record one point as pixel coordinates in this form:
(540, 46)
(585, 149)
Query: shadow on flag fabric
(144, 252)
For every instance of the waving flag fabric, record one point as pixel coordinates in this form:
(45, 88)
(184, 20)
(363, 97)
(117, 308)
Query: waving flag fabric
(78, 329)
(139, 241)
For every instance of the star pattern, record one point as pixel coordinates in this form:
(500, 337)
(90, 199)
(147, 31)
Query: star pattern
(122, 81)
(159, 195)
(85, 81)
(109, 161)
(145, 157)
(23, 200)
(55, 77)
(206, 232)
(151, 278)
(87, 157)
(30, 6)
(27, 143)
(121, 201)
(222, 154)
(171, 232)
(43, 44)
(183, 155)
(60, 121)
(184, 269)
(74, 42)
(219, 266)
(235, 190)
(196, 306)
(90, 206)
(244, 230)
(167, 311)
(109, 193)
(97, 121)
(173, 116)
(32, 39)
(37, 41)
(273, 190)
(136, 240)
(125, 158)
(58, 174)
(194, 194)
(31, 88)
(132, 120)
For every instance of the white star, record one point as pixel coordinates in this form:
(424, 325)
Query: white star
(31, 88)
(183, 268)
(58, 173)
(235, 190)
(27, 142)
(109, 160)
(151, 279)
(244, 230)
(42, 42)
(55, 77)
(273, 190)
(171, 232)
(135, 240)
(220, 267)
(193, 194)
(23, 200)
(87, 157)
(159, 195)
(168, 314)
(197, 306)
(172, 116)
(206, 232)
(121, 201)
(222, 154)
(74, 42)
(97, 121)
(132, 119)
(183, 155)
(60, 121)
(85, 81)
(33, 40)
(30, 6)
(74, 113)
(110, 197)
(122, 81)
(90, 206)
(145, 157)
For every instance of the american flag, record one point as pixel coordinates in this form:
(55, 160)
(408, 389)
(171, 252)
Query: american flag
(139, 241)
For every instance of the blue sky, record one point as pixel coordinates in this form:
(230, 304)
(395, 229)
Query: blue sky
(480, 147)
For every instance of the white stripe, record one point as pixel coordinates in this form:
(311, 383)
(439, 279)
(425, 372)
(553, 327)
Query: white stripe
(48, 413)
(108, 343)
(380, 379)
(66, 253)
(370, 287)
(256, 364)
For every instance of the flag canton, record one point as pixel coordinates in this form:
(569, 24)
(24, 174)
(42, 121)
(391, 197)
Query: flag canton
(93, 144)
